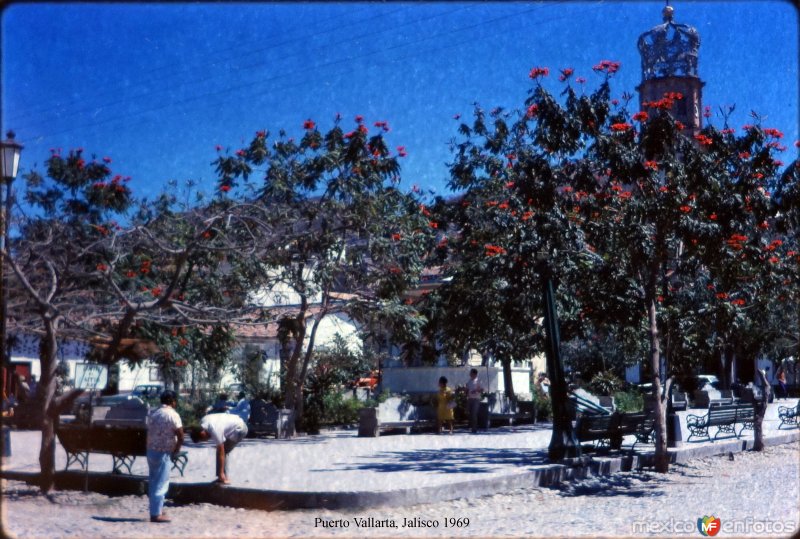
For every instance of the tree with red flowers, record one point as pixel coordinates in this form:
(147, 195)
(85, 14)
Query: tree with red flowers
(350, 240)
(54, 267)
(624, 210)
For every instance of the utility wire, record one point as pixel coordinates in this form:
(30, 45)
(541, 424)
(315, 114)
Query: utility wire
(236, 88)
(206, 78)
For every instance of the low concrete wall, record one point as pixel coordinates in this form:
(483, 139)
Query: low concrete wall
(426, 379)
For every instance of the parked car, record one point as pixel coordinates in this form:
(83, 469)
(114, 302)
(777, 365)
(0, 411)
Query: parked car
(149, 393)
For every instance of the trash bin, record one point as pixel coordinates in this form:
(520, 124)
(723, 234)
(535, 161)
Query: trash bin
(6, 442)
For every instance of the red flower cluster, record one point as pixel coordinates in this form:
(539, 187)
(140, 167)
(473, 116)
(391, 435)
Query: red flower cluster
(640, 116)
(580, 80)
(652, 165)
(224, 188)
(102, 267)
(736, 241)
(685, 208)
(772, 246)
(607, 66)
(763, 225)
(665, 103)
(707, 111)
(704, 140)
(713, 216)
(527, 215)
(744, 155)
(679, 126)
(532, 110)
(309, 124)
(401, 151)
(728, 131)
(566, 73)
(241, 153)
(396, 237)
(738, 301)
(433, 224)
(384, 126)
(625, 195)
(537, 72)
(493, 250)
(620, 127)
(359, 119)
(722, 295)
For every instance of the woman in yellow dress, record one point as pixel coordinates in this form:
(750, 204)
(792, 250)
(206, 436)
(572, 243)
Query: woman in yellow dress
(444, 409)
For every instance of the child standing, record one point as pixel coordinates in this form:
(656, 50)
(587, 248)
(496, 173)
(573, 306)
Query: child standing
(446, 403)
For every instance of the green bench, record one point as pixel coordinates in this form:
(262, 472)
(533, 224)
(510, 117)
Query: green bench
(609, 430)
(788, 415)
(725, 418)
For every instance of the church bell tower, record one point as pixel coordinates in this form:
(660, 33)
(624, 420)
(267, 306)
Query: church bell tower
(669, 64)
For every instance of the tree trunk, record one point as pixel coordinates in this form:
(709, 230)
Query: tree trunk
(760, 410)
(661, 455)
(507, 382)
(47, 390)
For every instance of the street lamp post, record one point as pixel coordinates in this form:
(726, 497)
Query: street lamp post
(10, 151)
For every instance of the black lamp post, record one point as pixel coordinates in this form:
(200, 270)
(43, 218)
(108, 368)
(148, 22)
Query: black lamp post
(563, 443)
(10, 151)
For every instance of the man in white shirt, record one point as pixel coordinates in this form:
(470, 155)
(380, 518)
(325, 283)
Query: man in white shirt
(164, 438)
(225, 430)
(474, 391)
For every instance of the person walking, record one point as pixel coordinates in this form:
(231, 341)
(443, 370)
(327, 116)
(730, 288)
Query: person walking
(164, 439)
(225, 430)
(445, 405)
(474, 393)
(781, 377)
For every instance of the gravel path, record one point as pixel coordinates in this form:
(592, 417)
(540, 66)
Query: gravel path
(756, 494)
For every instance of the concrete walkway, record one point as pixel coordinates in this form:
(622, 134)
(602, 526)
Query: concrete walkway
(339, 469)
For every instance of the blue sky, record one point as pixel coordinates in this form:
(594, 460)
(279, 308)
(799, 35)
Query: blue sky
(157, 86)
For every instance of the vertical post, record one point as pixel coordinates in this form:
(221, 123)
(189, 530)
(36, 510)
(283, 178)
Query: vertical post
(563, 442)
(5, 213)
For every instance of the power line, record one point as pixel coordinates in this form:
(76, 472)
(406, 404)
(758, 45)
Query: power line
(206, 78)
(316, 67)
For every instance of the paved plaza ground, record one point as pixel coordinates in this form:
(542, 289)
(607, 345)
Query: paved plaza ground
(480, 477)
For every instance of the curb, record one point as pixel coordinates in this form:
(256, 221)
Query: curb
(544, 475)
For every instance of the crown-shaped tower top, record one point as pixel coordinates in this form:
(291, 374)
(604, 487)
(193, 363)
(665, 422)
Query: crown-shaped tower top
(669, 49)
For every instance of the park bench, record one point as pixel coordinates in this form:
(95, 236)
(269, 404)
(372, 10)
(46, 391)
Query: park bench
(120, 431)
(639, 424)
(266, 418)
(594, 428)
(703, 398)
(788, 415)
(611, 429)
(724, 418)
(394, 413)
(501, 408)
(679, 400)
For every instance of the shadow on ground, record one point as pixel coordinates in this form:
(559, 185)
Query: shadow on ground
(451, 460)
(632, 484)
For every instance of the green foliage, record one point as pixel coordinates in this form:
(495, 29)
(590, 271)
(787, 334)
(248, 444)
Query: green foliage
(604, 383)
(543, 405)
(331, 409)
(629, 401)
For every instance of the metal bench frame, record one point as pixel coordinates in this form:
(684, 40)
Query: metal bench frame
(724, 418)
(124, 444)
(789, 415)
